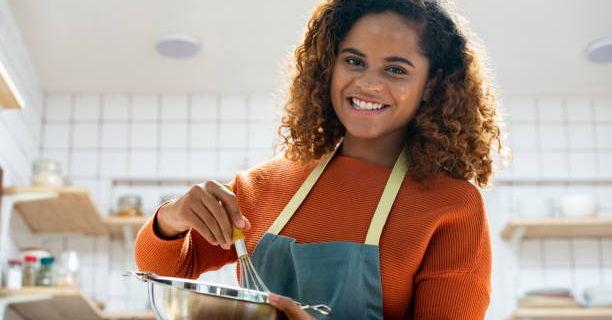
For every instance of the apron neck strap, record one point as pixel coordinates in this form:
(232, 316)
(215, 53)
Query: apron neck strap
(382, 210)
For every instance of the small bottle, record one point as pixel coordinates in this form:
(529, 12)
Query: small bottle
(29, 271)
(14, 278)
(45, 277)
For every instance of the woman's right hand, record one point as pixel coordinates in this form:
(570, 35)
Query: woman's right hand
(210, 208)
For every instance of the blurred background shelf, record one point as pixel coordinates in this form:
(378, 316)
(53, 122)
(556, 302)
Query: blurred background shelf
(558, 314)
(52, 303)
(70, 210)
(558, 228)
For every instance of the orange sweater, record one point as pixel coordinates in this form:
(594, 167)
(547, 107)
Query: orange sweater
(435, 250)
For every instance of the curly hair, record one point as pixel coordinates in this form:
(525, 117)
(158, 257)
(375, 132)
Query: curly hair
(456, 132)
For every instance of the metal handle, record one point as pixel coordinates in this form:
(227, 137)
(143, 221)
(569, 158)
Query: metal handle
(319, 308)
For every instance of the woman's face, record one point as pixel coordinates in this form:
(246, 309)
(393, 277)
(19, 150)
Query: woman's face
(379, 77)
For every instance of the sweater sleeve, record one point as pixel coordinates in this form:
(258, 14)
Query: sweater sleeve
(187, 257)
(454, 279)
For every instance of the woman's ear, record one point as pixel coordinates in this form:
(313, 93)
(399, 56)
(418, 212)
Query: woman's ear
(431, 85)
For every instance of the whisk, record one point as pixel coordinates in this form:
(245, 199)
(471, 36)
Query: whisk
(249, 279)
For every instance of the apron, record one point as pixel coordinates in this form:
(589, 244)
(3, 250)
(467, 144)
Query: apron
(343, 275)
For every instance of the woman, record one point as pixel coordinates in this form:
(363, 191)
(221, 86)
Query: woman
(372, 210)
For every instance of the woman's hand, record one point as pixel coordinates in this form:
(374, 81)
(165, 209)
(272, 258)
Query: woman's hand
(289, 307)
(209, 208)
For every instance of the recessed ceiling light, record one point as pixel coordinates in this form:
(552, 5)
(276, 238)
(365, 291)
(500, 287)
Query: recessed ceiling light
(177, 46)
(600, 51)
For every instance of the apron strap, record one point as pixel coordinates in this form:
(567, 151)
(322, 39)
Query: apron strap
(382, 210)
(387, 199)
(300, 195)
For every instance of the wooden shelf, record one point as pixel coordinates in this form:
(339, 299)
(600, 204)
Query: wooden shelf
(560, 313)
(71, 211)
(8, 94)
(559, 227)
(64, 303)
(55, 303)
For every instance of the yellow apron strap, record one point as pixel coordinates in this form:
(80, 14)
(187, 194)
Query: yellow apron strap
(387, 199)
(300, 195)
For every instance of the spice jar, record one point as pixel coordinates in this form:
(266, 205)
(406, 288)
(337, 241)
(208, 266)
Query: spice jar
(44, 277)
(47, 173)
(14, 274)
(29, 271)
(129, 205)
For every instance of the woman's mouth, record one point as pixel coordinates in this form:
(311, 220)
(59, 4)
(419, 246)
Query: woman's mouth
(366, 107)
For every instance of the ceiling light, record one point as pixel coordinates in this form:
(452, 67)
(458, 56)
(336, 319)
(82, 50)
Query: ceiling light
(177, 46)
(600, 51)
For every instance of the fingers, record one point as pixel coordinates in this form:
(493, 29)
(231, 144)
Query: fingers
(228, 199)
(288, 306)
(203, 214)
(220, 215)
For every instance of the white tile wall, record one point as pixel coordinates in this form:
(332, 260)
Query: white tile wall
(553, 138)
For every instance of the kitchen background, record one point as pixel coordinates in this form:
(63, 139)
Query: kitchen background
(122, 119)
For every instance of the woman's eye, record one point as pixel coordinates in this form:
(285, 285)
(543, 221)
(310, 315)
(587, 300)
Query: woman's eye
(396, 70)
(353, 61)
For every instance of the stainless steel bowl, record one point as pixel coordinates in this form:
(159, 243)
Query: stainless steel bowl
(177, 298)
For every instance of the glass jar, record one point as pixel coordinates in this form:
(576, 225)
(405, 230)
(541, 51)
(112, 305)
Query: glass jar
(67, 269)
(47, 173)
(14, 274)
(129, 205)
(29, 271)
(45, 277)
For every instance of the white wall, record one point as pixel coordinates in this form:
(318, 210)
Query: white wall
(564, 138)
(19, 129)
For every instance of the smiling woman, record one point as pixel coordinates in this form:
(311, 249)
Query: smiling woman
(373, 210)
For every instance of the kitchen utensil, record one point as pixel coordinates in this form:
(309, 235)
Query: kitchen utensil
(176, 298)
(579, 205)
(249, 279)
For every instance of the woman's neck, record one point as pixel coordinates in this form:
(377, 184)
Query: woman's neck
(383, 150)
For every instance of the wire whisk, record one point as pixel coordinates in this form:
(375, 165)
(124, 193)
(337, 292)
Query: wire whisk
(249, 278)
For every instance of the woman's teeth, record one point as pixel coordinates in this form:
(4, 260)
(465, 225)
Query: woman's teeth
(362, 105)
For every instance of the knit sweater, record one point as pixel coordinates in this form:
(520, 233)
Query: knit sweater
(435, 249)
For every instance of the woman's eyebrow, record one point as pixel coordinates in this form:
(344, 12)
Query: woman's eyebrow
(388, 59)
(353, 51)
(400, 59)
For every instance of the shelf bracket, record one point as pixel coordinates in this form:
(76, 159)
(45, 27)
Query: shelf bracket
(6, 209)
(5, 302)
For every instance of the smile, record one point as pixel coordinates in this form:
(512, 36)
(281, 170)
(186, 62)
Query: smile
(361, 105)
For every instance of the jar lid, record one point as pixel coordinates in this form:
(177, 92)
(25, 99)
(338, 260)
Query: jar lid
(47, 260)
(14, 262)
(30, 259)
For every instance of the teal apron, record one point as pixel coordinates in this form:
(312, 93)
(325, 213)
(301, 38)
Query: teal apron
(343, 275)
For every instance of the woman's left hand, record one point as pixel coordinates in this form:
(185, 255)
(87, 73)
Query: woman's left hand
(289, 307)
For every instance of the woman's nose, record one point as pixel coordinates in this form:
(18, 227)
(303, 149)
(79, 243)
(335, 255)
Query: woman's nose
(369, 82)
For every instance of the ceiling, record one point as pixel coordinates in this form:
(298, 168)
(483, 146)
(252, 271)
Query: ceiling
(535, 46)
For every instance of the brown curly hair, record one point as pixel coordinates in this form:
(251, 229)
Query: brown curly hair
(454, 132)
